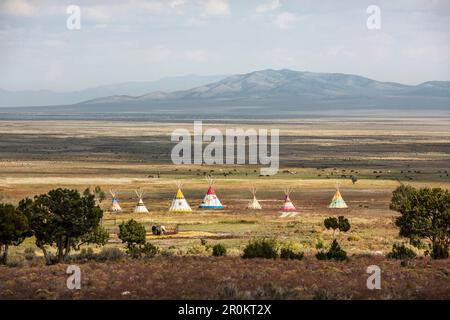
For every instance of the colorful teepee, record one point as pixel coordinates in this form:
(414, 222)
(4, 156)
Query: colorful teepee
(210, 201)
(140, 206)
(337, 202)
(179, 203)
(288, 206)
(254, 204)
(115, 207)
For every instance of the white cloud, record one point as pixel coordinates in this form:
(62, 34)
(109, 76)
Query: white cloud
(268, 6)
(19, 8)
(284, 20)
(217, 7)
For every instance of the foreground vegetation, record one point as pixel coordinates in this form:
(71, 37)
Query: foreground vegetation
(197, 277)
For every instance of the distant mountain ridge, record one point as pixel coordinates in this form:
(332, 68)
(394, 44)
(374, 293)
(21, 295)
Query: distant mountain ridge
(289, 86)
(272, 93)
(136, 88)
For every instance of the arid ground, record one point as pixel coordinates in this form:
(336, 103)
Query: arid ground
(315, 155)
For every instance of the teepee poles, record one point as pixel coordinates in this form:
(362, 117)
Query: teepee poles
(210, 201)
(140, 206)
(288, 208)
(337, 202)
(179, 203)
(254, 203)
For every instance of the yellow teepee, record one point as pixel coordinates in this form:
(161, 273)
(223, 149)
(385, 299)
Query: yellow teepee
(179, 203)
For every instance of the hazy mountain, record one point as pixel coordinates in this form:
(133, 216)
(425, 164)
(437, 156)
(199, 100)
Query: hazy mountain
(269, 93)
(46, 97)
(286, 91)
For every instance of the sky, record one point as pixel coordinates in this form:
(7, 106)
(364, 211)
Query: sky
(136, 40)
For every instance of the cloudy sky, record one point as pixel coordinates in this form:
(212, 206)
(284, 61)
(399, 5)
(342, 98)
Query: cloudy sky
(139, 40)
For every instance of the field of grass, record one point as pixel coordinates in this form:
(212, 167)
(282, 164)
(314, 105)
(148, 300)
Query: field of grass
(36, 156)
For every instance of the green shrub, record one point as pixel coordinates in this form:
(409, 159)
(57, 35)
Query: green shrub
(341, 223)
(289, 254)
(344, 224)
(149, 250)
(322, 255)
(331, 223)
(261, 248)
(334, 253)
(134, 252)
(219, 250)
(319, 244)
(110, 254)
(132, 233)
(401, 251)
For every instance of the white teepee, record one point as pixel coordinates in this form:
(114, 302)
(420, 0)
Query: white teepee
(210, 201)
(179, 203)
(140, 206)
(253, 204)
(115, 207)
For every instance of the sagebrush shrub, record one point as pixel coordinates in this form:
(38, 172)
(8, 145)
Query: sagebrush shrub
(288, 253)
(219, 250)
(85, 254)
(229, 291)
(334, 253)
(110, 254)
(15, 261)
(272, 291)
(401, 251)
(149, 250)
(198, 249)
(261, 248)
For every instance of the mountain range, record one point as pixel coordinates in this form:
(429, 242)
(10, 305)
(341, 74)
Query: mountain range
(275, 92)
(136, 88)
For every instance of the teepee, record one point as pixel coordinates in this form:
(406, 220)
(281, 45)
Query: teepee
(140, 206)
(179, 203)
(115, 207)
(254, 204)
(337, 202)
(210, 201)
(288, 206)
